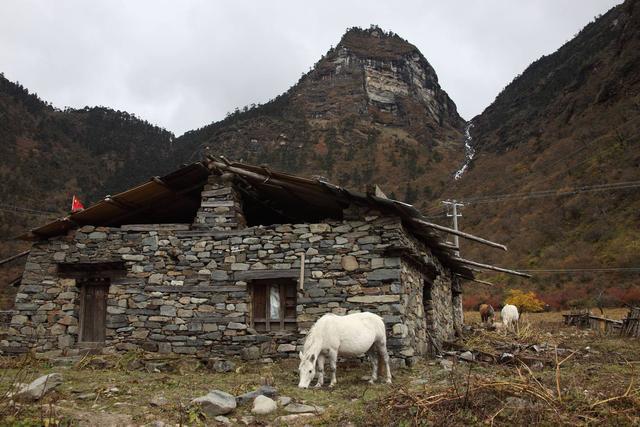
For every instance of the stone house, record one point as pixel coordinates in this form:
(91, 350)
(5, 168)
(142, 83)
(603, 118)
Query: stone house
(222, 258)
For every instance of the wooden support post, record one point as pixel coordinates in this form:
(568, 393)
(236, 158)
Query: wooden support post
(301, 280)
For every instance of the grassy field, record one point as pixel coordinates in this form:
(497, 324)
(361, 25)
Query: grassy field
(595, 382)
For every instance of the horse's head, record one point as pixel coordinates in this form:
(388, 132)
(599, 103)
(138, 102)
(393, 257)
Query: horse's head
(307, 369)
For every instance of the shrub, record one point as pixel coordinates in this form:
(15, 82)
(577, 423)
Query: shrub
(525, 301)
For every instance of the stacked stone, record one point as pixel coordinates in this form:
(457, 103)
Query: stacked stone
(187, 291)
(221, 206)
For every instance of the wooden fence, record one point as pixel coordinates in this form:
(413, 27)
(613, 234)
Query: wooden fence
(630, 326)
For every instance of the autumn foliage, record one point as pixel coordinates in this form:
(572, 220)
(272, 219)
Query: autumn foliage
(525, 301)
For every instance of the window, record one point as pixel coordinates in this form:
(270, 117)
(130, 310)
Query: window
(273, 305)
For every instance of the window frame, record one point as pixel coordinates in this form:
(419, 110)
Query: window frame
(264, 323)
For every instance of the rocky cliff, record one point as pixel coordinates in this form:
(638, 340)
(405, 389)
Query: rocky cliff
(371, 110)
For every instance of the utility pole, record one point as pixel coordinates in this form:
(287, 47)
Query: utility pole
(454, 214)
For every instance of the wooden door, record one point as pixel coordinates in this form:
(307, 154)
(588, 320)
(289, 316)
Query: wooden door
(93, 310)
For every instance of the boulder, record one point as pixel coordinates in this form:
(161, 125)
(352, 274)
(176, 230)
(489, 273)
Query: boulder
(215, 403)
(38, 388)
(263, 390)
(221, 366)
(263, 405)
(468, 356)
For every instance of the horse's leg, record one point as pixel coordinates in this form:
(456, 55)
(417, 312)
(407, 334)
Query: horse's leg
(333, 361)
(373, 357)
(384, 358)
(320, 364)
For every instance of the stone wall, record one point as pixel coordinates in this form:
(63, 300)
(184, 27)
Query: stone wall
(220, 206)
(186, 291)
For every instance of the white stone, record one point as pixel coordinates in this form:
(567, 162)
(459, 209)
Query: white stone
(370, 299)
(263, 405)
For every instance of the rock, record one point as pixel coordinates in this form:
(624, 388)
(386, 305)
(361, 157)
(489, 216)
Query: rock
(159, 401)
(263, 390)
(284, 400)
(285, 348)
(38, 388)
(247, 420)
(299, 408)
(290, 419)
(263, 405)
(215, 402)
(446, 364)
(223, 420)
(506, 358)
(349, 263)
(468, 356)
(370, 299)
(86, 396)
(251, 353)
(221, 366)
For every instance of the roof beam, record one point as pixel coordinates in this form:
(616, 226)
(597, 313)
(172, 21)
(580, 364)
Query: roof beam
(458, 233)
(11, 258)
(474, 280)
(491, 267)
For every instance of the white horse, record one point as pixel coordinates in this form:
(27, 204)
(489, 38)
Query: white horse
(510, 316)
(351, 336)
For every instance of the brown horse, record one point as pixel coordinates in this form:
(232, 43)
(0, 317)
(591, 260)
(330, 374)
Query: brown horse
(487, 313)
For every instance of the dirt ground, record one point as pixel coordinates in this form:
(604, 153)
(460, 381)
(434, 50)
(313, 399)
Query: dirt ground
(573, 377)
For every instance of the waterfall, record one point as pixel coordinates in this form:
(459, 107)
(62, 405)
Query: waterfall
(469, 152)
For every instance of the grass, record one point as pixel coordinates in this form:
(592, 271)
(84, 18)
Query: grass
(597, 384)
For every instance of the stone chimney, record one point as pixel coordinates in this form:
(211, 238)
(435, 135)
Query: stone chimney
(221, 205)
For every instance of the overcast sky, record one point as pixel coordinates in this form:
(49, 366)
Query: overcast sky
(184, 64)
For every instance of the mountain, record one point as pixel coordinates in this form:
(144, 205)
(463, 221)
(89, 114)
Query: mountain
(370, 110)
(570, 120)
(47, 155)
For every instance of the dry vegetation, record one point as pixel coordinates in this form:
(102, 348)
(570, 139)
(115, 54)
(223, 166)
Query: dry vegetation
(593, 380)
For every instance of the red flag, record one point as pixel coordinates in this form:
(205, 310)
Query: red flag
(76, 205)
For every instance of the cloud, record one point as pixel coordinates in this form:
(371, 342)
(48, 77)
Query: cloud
(184, 64)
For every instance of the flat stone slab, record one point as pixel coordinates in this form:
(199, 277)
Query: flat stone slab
(263, 390)
(215, 403)
(299, 408)
(293, 418)
(38, 388)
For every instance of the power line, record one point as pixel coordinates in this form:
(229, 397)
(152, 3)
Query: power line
(582, 270)
(554, 192)
(19, 209)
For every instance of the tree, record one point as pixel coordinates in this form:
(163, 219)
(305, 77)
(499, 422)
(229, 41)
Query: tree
(525, 301)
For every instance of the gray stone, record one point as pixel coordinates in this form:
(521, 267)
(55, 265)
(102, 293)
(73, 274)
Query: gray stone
(263, 390)
(286, 420)
(372, 299)
(223, 420)
(97, 235)
(168, 310)
(468, 356)
(128, 257)
(284, 400)
(349, 263)
(215, 402)
(299, 408)
(222, 366)
(159, 401)
(285, 348)
(235, 325)
(156, 279)
(38, 388)
(263, 405)
(384, 274)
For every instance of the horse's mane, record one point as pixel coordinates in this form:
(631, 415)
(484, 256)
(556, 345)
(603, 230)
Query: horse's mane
(313, 332)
